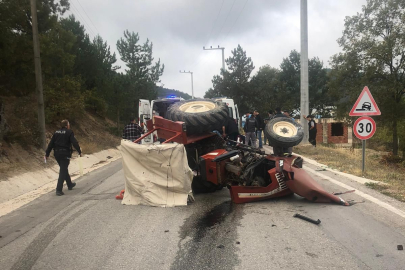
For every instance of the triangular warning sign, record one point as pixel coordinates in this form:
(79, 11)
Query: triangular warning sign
(365, 105)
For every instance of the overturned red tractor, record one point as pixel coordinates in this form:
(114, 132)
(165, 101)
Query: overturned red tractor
(249, 173)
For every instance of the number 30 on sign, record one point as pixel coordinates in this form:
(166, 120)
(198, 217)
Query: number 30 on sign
(364, 128)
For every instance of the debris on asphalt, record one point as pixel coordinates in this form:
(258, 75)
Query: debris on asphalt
(317, 222)
(352, 202)
(237, 242)
(273, 225)
(220, 246)
(109, 157)
(340, 193)
(400, 247)
(167, 231)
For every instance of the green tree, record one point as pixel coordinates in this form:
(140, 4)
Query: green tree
(138, 58)
(372, 45)
(266, 89)
(16, 49)
(290, 94)
(234, 82)
(94, 63)
(213, 92)
(142, 73)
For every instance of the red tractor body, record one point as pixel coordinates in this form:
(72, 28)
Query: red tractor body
(249, 173)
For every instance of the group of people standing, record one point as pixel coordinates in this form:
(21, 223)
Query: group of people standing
(255, 125)
(253, 128)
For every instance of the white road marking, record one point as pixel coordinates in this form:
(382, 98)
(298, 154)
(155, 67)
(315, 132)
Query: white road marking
(360, 193)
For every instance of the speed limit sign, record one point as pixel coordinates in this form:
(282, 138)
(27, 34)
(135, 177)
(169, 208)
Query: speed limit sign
(364, 128)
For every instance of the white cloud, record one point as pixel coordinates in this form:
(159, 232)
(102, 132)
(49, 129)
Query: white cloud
(267, 29)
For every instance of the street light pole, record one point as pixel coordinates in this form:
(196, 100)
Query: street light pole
(223, 56)
(304, 68)
(192, 87)
(38, 75)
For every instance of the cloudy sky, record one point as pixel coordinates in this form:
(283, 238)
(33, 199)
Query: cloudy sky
(266, 29)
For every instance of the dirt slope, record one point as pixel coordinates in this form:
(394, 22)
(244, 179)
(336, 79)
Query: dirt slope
(19, 151)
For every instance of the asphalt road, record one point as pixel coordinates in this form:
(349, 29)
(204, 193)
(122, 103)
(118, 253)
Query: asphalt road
(88, 229)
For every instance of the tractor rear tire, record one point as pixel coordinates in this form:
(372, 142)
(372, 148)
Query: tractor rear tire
(200, 115)
(283, 132)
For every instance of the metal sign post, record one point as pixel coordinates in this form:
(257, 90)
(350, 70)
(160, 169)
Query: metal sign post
(363, 168)
(364, 127)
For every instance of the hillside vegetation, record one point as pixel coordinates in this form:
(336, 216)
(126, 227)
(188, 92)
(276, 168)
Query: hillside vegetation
(81, 82)
(79, 74)
(19, 151)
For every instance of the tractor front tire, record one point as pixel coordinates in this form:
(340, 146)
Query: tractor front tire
(283, 132)
(200, 115)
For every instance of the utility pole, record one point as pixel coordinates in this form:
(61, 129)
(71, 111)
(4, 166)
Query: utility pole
(38, 75)
(223, 56)
(304, 69)
(192, 88)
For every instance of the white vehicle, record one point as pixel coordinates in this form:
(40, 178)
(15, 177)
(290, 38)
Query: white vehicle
(159, 107)
(147, 109)
(232, 108)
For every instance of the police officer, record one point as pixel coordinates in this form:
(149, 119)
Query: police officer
(62, 141)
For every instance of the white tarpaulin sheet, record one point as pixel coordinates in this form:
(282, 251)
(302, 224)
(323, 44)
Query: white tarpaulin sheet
(155, 175)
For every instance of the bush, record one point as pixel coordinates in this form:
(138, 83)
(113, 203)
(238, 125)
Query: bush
(63, 99)
(95, 104)
(391, 159)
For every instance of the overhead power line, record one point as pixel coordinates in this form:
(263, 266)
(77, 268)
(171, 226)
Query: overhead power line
(98, 32)
(83, 21)
(237, 18)
(229, 12)
(213, 25)
(196, 63)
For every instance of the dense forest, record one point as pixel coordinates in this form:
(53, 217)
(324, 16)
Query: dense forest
(78, 73)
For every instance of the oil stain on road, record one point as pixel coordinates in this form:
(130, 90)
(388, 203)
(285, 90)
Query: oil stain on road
(208, 240)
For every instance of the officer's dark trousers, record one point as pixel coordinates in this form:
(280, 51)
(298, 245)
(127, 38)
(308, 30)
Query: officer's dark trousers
(63, 159)
(312, 137)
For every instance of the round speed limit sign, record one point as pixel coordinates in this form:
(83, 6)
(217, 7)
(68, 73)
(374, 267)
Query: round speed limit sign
(364, 128)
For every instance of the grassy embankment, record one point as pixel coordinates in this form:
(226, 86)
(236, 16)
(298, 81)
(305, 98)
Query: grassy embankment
(380, 166)
(20, 152)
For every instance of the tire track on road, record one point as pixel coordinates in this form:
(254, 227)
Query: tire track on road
(34, 250)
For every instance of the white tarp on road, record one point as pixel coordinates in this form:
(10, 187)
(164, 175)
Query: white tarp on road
(155, 175)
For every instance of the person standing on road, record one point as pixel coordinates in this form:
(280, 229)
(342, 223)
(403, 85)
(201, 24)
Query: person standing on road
(260, 127)
(312, 129)
(266, 120)
(132, 131)
(287, 114)
(230, 130)
(278, 113)
(61, 143)
(250, 130)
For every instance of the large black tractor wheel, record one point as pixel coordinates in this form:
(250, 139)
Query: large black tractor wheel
(200, 115)
(283, 132)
